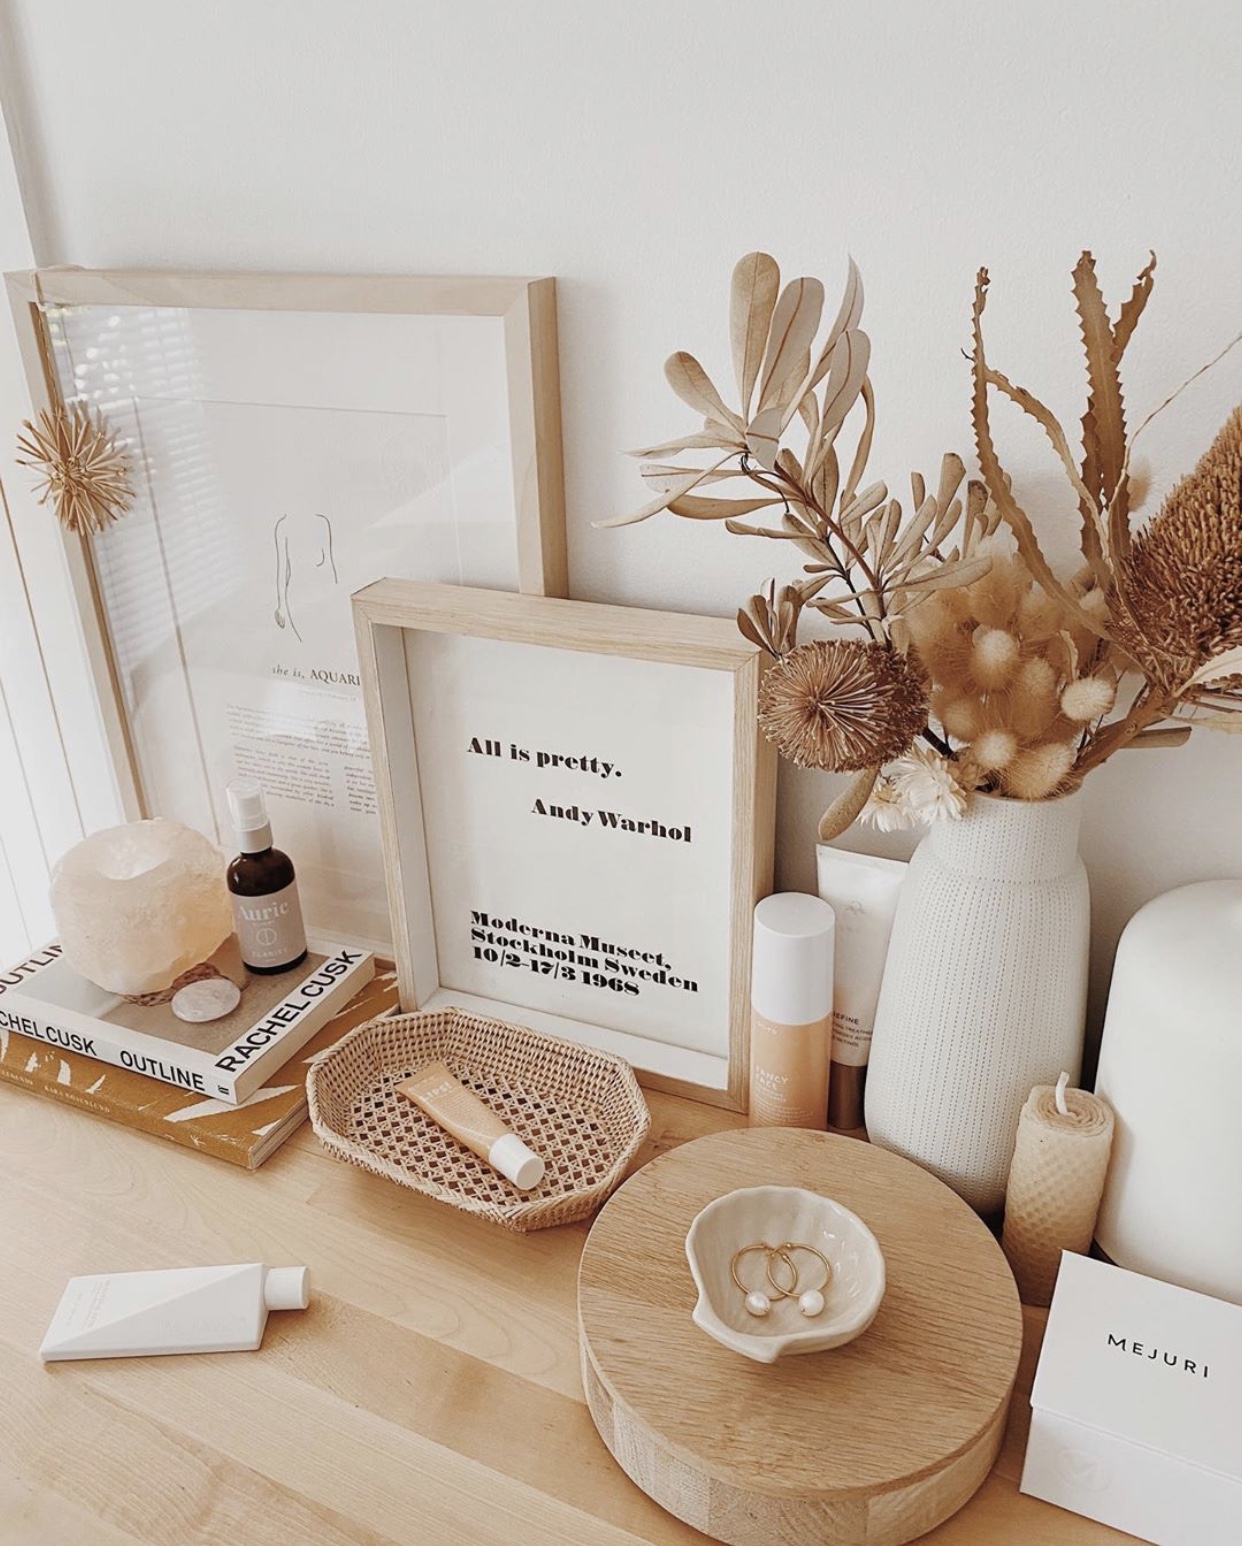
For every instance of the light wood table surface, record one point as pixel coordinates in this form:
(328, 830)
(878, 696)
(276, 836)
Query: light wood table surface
(430, 1394)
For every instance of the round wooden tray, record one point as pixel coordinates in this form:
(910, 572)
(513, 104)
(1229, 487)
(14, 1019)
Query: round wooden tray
(874, 1443)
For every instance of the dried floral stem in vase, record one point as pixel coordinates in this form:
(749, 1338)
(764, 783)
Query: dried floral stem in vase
(1031, 682)
(843, 705)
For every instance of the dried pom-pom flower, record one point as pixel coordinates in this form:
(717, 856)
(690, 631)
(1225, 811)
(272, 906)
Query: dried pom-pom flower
(1039, 616)
(961, 716)
(1090, 697)
(996, 597)
(994, 749)
(842, 705)
(1039, 771)
(993, 657)
(1033, 698)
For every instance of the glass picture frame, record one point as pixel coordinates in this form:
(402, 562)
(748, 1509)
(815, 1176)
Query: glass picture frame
(290, 438)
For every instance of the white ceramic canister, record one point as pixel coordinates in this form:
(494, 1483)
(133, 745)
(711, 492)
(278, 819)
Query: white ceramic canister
(1171, 1068)
(985, 989)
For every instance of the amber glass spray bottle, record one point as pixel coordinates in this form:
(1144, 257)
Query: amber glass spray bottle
(264, 888)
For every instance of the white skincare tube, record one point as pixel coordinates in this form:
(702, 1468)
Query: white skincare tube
(186, 1310)
(862, 891)
(439, 1094)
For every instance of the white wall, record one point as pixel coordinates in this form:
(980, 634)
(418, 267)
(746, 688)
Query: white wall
(40, 812)
(636, 150)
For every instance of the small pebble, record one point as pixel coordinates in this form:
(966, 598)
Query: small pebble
(211, 999)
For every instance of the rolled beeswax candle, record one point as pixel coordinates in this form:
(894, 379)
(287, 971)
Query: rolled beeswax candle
(1056, 1182)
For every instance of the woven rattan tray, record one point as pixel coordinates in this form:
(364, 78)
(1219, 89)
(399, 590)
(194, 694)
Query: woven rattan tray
(581, 1111)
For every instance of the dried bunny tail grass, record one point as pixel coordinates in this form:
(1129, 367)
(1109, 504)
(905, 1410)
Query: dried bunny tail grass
(955, 603)
(994, 750)
(1033, 698)
(940, 640)
(1038, 772)
(1095, 604)
(1040, 617)
(960, 714)
(1090, 697)
(842, 705)
(994, 657)
(996, 597)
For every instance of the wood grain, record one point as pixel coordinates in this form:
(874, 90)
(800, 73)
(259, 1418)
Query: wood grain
(430, 1395)
(870, 1445)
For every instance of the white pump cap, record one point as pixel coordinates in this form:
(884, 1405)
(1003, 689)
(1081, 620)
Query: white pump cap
(286, 1288)
(248, 813)
(791, 970)
(510, 1156)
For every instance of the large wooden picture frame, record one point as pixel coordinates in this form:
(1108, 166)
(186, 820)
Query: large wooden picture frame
(577, 810)
(291, 437)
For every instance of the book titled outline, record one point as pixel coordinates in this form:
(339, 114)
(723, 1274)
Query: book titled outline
(232, 1074)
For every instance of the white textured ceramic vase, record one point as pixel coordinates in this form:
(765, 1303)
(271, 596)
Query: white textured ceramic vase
(985, 989)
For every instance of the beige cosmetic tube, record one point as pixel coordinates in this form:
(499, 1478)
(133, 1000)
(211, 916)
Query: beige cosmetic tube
(791, 1011)
(450, 1105)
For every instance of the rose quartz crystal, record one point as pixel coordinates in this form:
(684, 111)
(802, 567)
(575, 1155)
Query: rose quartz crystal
(138, 905)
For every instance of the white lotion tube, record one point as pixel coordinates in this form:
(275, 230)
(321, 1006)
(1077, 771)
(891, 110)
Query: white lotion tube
(439, 1094)
(791, 1012)
(862, 891)
(186, 1310)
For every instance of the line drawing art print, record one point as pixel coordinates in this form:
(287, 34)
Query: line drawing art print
(299, 540)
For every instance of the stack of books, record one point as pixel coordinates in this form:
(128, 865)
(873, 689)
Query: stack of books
(234, 1088)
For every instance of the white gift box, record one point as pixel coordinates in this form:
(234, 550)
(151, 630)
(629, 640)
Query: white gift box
(1136, 1413)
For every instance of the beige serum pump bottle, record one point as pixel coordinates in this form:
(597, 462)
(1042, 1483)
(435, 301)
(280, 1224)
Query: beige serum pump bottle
(791, 1011)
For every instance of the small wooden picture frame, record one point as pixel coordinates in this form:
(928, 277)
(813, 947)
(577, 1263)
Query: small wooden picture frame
(577, 811)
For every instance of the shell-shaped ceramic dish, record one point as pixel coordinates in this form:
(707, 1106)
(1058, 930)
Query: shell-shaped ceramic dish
(773, 1214)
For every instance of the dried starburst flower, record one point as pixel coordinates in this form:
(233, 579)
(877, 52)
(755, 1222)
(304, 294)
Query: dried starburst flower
(928, 786)
(842, 705)
(83, 470)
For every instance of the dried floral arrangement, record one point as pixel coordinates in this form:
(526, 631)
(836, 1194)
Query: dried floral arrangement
(83, 471)
(844, 705)
(1150, 625)
(1033, 680)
